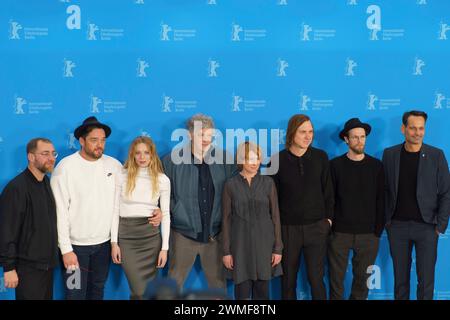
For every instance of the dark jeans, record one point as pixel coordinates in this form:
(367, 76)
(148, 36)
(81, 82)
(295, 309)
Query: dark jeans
(311, 240)
(256, 290)
(94, 267)
(34, 284)
(403, 235)
(365, 249)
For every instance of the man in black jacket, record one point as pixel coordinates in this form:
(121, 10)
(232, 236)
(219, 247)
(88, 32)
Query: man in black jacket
(358, 181)
(306, 201)
(28, 236)
(417, 205)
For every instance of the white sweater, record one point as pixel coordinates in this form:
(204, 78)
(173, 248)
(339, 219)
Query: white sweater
(84, 194)
(139, 204)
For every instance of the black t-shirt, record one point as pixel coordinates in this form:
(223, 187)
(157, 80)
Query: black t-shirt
(407, 207)
(205, 198)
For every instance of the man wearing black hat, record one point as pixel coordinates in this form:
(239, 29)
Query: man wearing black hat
(417, 205)
(84, 187)
(358, 181)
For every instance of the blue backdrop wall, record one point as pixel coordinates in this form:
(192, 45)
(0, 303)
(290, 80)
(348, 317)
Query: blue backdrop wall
(145, 66)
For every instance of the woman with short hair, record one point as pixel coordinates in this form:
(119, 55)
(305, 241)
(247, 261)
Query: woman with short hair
(251, 227)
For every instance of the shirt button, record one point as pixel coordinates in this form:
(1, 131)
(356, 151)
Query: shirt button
(204, 200)
(204, 189)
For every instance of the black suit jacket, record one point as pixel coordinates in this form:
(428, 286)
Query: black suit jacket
(433, 184)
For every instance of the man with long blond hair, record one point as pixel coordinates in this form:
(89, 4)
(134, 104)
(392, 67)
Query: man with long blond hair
(140, 248)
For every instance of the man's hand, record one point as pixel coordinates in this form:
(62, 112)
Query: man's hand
(155, 219)
(70, 261)
(11, 279)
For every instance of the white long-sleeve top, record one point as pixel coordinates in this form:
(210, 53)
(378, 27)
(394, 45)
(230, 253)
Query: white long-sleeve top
(139, 203)
(84, 195)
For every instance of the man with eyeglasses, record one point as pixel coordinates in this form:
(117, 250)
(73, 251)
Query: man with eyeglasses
(84, 186)
(28, 233)
(358, 181)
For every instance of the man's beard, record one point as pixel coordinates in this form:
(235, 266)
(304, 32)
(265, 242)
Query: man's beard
(357, 150)
(44, 168)
(92, 154)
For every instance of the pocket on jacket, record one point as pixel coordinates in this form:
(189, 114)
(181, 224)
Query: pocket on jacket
(180, 217)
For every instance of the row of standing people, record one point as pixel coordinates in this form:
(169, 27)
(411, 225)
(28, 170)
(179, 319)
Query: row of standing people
(228, 217)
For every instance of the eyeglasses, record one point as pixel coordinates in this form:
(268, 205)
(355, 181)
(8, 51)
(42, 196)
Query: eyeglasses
(48, 154)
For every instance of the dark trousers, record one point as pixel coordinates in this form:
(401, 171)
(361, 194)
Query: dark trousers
(403, 235)
(94, 267)
(311, 240)
(252, 289)
(365, 249)
(34, 284)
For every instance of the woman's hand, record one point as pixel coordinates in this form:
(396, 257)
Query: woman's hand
(228, 261)
(115, 253)
(162, 259)
(276, 259)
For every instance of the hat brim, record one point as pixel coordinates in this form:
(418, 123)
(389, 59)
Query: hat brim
(365, 126)
(82, 129)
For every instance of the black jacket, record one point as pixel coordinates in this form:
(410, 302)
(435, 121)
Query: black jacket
(433, 184)
(28, 234)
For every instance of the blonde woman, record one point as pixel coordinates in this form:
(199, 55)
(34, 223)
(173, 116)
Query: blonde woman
(140, 247)
(251, 227)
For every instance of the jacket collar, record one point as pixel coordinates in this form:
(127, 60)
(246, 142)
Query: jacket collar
(31, 176)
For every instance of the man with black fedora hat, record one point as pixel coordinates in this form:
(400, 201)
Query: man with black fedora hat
(84, 187)
(358, 181)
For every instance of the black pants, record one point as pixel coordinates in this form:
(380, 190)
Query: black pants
(365, 249)
(34, 284)
(403, 235)
(311, 240)
(256, 290)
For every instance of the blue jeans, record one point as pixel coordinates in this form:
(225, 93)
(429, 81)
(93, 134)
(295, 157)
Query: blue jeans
(94, 264)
